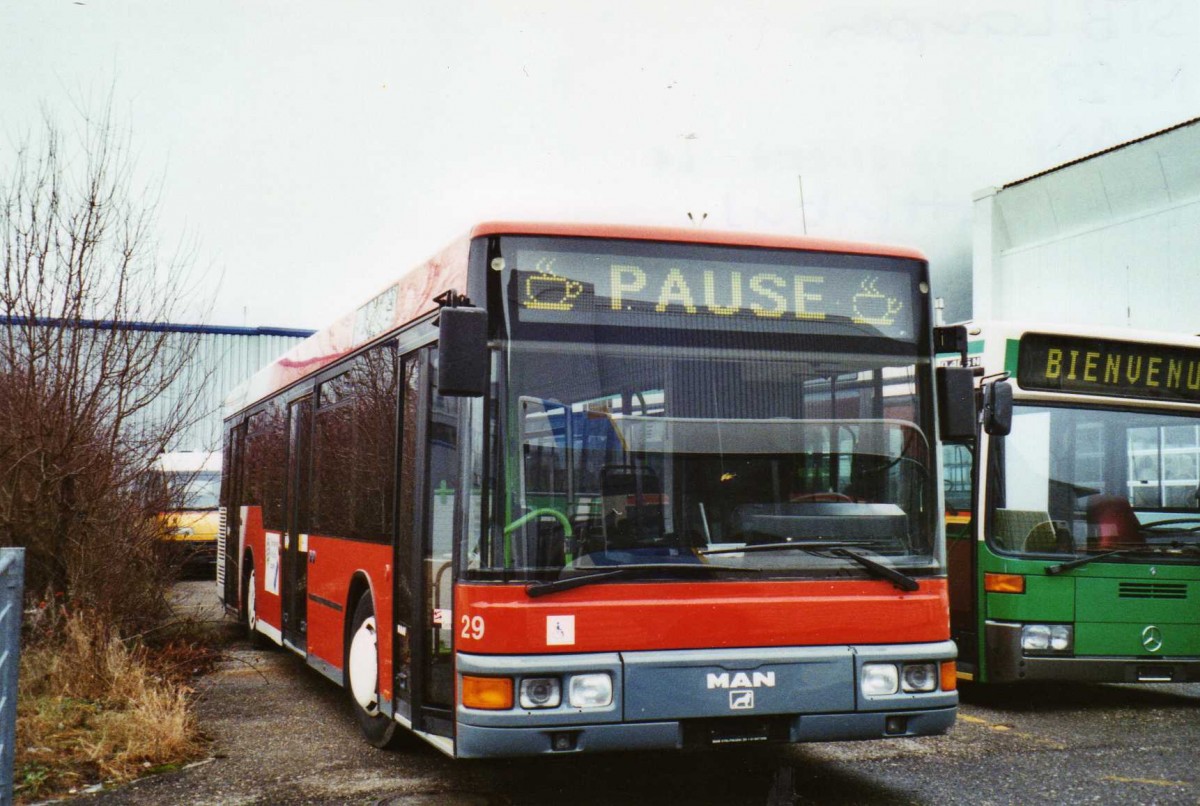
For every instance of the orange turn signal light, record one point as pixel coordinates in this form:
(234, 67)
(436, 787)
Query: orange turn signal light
(949, 676)
(487, 693)
(1004, 583)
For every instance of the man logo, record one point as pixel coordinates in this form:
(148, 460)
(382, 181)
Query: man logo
(741, 700)
(741, 680)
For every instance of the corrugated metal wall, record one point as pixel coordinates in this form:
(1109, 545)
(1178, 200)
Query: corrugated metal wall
(220, 361)
(216, 359)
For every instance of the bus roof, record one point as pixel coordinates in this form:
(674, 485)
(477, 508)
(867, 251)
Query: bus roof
(696, 235)
(1012, 329)
(413, 295)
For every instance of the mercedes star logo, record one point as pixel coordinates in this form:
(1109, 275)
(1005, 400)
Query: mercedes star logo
(1152, 638)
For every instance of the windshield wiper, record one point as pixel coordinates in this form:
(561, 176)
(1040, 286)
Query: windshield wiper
(902, 581)
(801, 545)
(535, 589)
(1081, 561)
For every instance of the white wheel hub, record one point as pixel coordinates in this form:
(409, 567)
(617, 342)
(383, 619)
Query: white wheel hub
(364, 666)
(251, 614)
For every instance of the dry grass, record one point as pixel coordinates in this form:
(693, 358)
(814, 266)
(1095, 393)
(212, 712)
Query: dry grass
(94, 709)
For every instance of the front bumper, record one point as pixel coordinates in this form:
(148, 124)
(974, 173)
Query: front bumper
(675, 699)
(473, 741)
(1007, 663)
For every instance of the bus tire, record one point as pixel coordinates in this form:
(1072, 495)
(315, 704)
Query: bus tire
(249, 615)
(362, 676)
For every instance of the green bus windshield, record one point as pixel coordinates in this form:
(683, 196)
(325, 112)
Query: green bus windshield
(1078, 480)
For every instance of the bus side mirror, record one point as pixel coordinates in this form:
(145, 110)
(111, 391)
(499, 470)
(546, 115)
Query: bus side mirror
(951, 339)
(956, 403)
(463, 357)
(997, 407)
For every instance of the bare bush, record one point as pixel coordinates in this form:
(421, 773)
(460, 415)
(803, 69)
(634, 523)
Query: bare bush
(89, 385)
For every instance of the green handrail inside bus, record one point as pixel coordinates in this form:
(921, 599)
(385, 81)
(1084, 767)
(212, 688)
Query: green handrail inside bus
(537, 513)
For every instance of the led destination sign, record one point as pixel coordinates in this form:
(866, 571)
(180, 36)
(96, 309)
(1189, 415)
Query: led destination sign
(580, 288)
(1107, 367)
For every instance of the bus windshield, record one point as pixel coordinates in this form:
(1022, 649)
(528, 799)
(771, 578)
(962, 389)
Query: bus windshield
(665, 404)
(661, 455)
(674, 403)
(1080, 481)
(193, 489)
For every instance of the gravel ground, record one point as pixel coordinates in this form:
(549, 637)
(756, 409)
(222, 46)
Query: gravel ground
(283, 734)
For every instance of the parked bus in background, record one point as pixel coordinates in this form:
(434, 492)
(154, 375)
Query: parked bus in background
(1075, 548)
(191, 482)
(582, 488)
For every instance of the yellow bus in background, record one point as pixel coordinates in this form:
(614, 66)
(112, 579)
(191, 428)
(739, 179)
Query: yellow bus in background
(191, 482)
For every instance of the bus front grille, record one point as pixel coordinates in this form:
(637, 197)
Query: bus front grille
(1152, 590)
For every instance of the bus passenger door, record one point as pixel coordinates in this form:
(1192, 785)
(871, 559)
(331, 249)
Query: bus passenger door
(424, 659)
(961, 549)
(229, 572)
(295, 539)
(407, 637)
(440, 499)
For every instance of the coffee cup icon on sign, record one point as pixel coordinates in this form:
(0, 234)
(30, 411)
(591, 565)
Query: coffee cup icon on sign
(873, 307)
(547, 291)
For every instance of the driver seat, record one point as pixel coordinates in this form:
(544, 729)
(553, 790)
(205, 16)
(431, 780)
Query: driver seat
(1112, 523)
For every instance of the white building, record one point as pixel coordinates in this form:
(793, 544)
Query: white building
(1109, 239)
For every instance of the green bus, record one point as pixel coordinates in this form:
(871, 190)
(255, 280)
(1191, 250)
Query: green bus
(1074, 539)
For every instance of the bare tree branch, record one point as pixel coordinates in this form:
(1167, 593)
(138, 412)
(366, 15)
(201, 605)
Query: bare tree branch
(83, 367)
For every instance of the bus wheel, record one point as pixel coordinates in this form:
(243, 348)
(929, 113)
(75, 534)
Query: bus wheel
(362, 676)
(250, 617)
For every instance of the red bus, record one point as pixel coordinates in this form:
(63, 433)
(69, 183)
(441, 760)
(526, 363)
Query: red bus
(567, 489)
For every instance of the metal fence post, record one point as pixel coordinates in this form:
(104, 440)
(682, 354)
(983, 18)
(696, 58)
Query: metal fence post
(12, 587)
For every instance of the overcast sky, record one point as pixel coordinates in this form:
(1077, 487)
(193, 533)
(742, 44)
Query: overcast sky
(316, 151)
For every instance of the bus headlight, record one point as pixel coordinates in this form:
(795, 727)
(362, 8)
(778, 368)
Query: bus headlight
(879, 679)
(590, 690)
(541, 692)
(1047, 639)
(919, 677)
